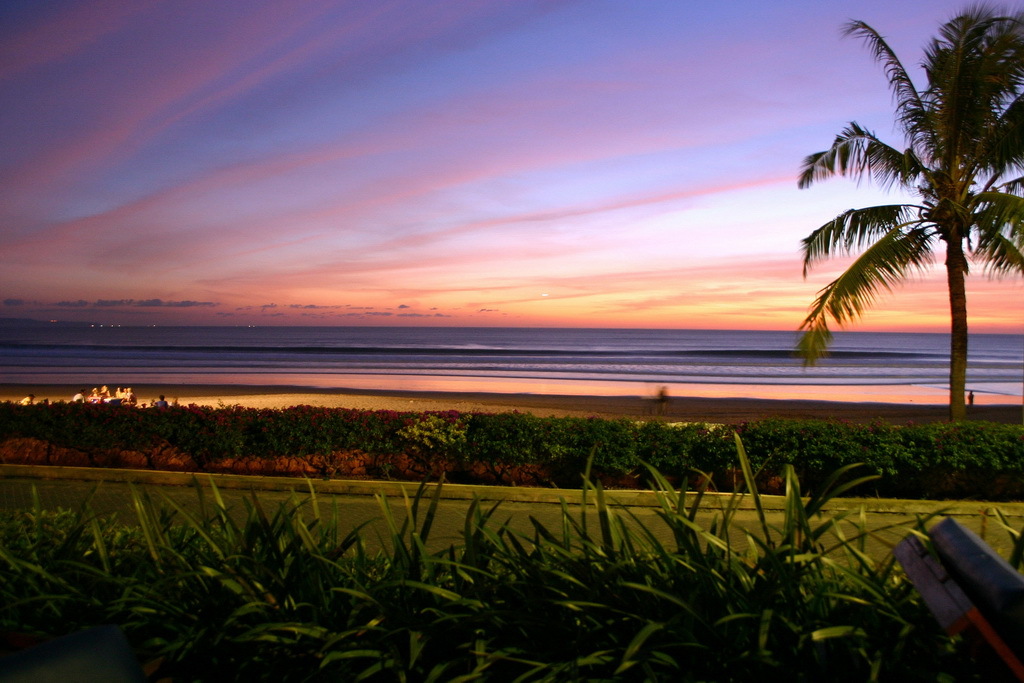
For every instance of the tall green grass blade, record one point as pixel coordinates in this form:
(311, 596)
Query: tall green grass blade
(830, 488)
(635, 645)
(586, 486)
(604, 517)
(200, 526)
(435, 500)
(102, 552)
(836, 632)
(1016, 537)
(748, 478)
(147, 518)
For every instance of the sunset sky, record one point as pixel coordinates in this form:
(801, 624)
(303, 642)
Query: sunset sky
(467, 162)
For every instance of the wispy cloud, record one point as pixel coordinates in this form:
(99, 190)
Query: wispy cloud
(400, 162)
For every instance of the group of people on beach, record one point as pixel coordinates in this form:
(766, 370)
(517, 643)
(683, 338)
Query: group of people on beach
(124, 396)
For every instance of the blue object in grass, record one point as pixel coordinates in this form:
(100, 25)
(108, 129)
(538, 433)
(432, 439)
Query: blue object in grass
(100, 654)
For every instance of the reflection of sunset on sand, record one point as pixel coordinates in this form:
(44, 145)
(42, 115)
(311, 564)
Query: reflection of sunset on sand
(679, 407)
(898, 394)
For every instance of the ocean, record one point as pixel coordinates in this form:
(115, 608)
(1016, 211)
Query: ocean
(863, 366)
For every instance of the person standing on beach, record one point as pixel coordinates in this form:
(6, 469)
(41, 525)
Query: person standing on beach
(662, 400)
(970, 398)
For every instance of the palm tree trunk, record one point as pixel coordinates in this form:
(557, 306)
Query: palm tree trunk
(956, 273)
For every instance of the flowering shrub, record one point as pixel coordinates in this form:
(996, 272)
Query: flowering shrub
(433, 441)
(975, 459)
(432, 433)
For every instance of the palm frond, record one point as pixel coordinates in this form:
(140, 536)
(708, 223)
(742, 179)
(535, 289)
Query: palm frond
(1004, 149)
(998, 212)
(857, 152)
(814, 342)
(999, 230)
(1014, 186)
(909, 106)
(957, 104)
(1001, 256)
(975, 77)
(845, 156)
(885, 263)
(855, 229)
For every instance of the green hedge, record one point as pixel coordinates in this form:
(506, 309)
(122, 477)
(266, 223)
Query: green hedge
(940, 460)
(954, 460)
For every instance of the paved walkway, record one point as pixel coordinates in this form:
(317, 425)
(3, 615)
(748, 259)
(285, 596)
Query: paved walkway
(359, 502)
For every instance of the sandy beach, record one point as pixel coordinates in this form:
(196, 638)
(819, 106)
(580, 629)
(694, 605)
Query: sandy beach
(678, 408)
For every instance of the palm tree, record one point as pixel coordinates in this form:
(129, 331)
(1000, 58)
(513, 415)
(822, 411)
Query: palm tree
(963, 161)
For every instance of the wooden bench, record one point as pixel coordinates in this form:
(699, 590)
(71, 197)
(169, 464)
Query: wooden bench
(969, 588)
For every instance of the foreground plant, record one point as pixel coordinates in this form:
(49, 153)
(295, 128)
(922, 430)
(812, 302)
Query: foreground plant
(247, 594)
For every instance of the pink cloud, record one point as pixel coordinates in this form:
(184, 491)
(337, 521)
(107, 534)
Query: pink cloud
(66, 31)
(261, 49)
(468, 155)
(170, 82)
